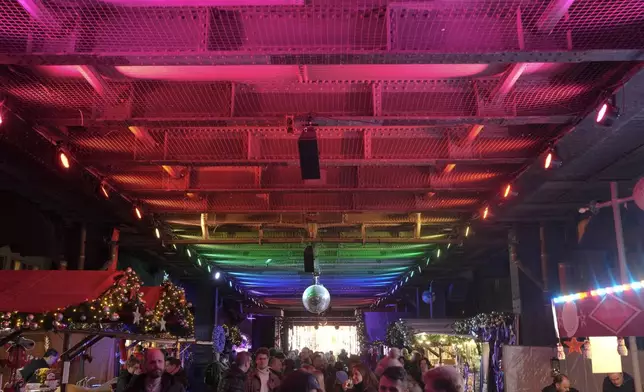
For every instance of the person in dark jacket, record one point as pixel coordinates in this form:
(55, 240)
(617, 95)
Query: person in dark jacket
(618, 382)
(154, 379)
(28, 372)
(173, 367)
(131, 370)
(234, 380)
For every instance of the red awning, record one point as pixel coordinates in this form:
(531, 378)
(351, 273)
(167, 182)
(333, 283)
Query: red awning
(151, 295)
(44, 291)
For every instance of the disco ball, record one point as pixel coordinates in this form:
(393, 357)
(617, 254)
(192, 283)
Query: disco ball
(316, 298)
(428, 297)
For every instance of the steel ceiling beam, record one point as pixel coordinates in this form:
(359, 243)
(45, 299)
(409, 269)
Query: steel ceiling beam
(246, 58)
(168, 192)
(325, 123)
(217, 241)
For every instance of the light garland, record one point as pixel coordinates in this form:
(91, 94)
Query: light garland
(399, 335)
(102, 314)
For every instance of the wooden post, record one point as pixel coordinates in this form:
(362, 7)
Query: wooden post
(66, 364)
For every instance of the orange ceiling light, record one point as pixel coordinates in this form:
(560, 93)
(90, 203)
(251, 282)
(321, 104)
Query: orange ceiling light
(486, 212)
(138, 213)
(63, 159)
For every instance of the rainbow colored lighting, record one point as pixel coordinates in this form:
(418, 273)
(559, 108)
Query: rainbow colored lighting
(599, 292)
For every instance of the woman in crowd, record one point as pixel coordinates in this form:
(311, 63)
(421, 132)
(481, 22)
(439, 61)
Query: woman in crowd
(363, 379)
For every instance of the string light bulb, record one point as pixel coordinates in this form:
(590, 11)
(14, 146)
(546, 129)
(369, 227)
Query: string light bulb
(486, 212)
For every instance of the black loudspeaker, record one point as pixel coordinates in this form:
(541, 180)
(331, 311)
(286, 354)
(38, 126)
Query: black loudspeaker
(457, 291)
(307, 146)
(309, 259)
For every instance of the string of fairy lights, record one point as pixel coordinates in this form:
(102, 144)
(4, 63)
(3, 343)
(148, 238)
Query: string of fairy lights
(120, 307)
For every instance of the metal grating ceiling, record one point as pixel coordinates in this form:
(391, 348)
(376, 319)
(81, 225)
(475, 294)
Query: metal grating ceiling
(424, 109)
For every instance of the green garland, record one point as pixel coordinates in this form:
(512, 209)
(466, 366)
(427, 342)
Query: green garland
(399, 334)
(233, 335)
(361, 330)
(476, 325)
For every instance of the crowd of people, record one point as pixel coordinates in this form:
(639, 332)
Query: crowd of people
(614, 382)
(308, 371)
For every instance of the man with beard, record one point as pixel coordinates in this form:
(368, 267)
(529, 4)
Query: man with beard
(154, 379)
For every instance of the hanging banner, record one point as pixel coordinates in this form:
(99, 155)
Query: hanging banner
(602, 312)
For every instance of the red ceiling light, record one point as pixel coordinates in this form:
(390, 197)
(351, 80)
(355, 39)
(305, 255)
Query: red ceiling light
(138, 213)
(105, 191)
(486, 212)
(508, 191)
(607, 114)
(63, 159)
(552, 161)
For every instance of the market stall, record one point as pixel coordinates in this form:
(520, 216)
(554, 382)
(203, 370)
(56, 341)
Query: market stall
(592, 327)
(75, 310)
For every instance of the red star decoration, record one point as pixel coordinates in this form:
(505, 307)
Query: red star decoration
(574, 345)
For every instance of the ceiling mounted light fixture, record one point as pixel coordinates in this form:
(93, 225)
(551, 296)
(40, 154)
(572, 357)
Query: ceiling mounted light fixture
(217, 275)
(188, 252)
(104, 190)
(607, 114)
(485, 213)
(63, 159)
(508, 192)
(467, 231)
(138, 212)
(552, 160)
(157, 233)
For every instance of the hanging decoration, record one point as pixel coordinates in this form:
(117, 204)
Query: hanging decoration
(399, 334)
(497, 329)
(574, 345)
(361, 330)
(588, 354)
(621, 347)
(123, 299)
(233, 335)
(316, 298)
(218, 339)
(561, 355)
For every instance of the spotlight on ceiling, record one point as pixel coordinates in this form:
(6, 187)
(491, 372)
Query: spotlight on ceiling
(209, 269)
(438, 253)
(485, 213)
(188, 252)
(199, 262)
(104, 190)
(138, 213)
(63, 159)
(552, 160)
(467, 231)
(508, 192)
(217, 275)
(157, 233)
(607, 114)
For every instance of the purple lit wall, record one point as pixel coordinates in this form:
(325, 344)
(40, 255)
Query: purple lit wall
(377, 322)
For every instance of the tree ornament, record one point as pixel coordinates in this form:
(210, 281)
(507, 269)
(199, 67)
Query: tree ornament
(33, 326)
(162, 325)
(114, 317)
(137, 316)
(106, 309)
(128, 270)
(148, 313)
(30, 317)
(59, 316)
(316, 298)
(561, 355)
(5, 324)
(7, 315)
(621, 347)
(190, 304)
(83, 317)
(587, 352)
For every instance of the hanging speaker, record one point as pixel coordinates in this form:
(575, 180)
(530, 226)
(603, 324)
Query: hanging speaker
(309, 259)
(307, 146)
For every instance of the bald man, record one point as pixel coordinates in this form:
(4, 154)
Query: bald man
(154, 379)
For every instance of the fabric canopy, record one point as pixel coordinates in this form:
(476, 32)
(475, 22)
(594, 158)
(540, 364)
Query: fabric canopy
(44, 291)
(151, 295)
(615, 314)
